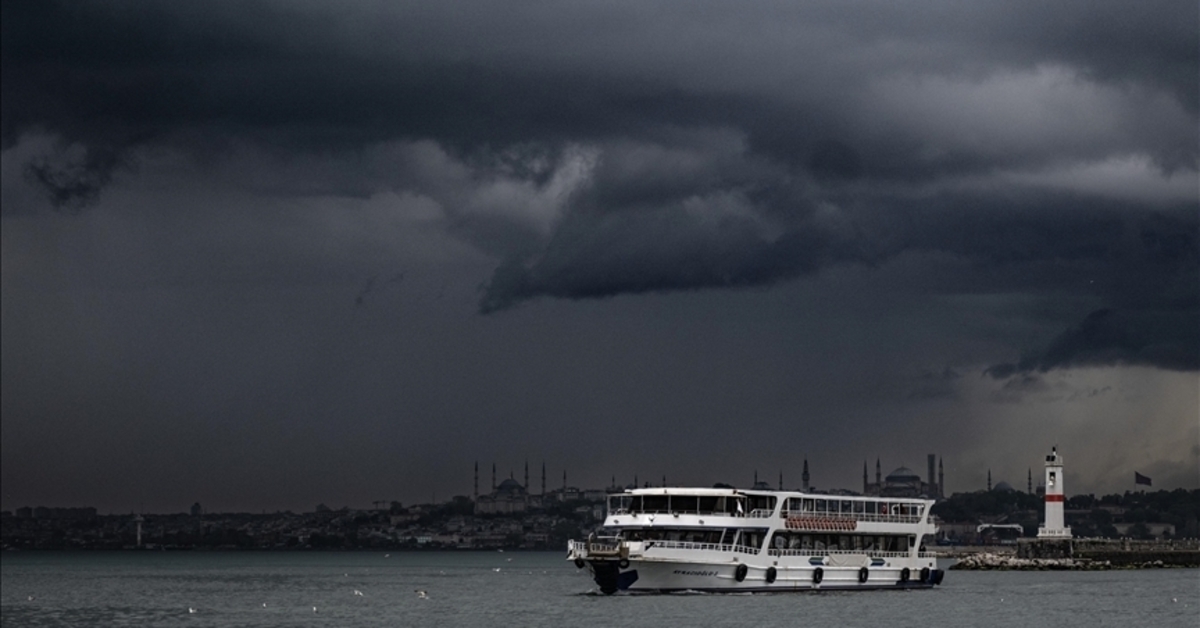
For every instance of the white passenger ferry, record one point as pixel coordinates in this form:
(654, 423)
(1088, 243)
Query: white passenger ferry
(732, 540)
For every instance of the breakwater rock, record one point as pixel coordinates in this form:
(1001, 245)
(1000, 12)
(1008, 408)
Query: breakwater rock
(1006, 562)
(1120, 553)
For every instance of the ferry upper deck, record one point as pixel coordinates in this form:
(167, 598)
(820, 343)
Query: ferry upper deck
(763, 504)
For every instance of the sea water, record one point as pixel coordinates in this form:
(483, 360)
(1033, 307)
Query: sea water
(473, 589)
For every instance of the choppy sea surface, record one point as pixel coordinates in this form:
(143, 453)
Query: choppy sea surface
(534, 589)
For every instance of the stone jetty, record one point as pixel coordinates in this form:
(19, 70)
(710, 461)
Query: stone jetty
(1087, 555)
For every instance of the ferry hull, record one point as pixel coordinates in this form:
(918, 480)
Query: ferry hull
(668, 576)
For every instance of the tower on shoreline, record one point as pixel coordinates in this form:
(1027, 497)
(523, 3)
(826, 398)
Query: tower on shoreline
(1054, 528)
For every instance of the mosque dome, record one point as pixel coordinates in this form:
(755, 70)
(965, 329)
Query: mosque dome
(510, 486)
(1004, 486)
(903, 475)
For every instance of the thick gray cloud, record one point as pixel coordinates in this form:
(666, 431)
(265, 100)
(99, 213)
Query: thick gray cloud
(1035, 160)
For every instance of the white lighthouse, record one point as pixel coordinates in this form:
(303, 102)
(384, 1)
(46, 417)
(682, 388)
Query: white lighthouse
(1053, 528)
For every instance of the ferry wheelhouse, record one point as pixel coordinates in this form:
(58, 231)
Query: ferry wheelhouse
(732, 540)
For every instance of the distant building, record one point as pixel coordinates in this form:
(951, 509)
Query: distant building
(903, 482)
(197, 510)
(509, 497)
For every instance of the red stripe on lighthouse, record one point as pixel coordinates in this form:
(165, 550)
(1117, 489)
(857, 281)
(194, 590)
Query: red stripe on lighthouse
(1054, 498)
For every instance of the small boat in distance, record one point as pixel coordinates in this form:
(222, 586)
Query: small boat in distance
(732, 540)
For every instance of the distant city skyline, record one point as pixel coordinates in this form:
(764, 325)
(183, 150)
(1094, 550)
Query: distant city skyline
(554, 488)
(265, 256)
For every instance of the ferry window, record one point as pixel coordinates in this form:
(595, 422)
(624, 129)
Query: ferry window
(753, 537)
(709, 504)
(845, 507)
(684, 503)
(654, 503)
(820, 506)
(762, 502)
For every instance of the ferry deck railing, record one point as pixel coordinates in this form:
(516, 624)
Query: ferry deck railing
(764, 513)
(609, 546)
(691, 545)
(829, 552)
(855, 516)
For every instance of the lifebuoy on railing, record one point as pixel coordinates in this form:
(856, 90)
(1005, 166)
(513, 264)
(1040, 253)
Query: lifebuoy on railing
(771, 573)
(905, 574)
(739, 574)
(863, 574)
(818, 575)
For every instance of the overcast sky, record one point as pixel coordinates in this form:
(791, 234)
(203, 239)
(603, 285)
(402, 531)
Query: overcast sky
(264, 255)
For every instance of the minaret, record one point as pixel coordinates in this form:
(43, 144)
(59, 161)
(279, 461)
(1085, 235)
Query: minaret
(804, 477)
(864, 477)
(543, 477)
(493, 477)
(878, 475)
(564, 481)
(989, 479)
(664, 481)
(1030, 481)
(941, 479)
(476, 480)
(781, 479)
(1054, 528)
(755, 479)
(526, 476)
(929, 473)
(139, 521)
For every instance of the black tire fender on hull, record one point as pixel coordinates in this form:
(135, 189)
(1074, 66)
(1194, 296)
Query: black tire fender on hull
(818, 575)
(771, 574)
(740, 572)
(863, 574)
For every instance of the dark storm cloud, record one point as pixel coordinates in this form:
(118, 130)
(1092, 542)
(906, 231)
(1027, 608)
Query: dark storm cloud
(731, 146)
(121, 74)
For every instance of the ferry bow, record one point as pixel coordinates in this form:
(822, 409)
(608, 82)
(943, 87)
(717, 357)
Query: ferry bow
(731, 540)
